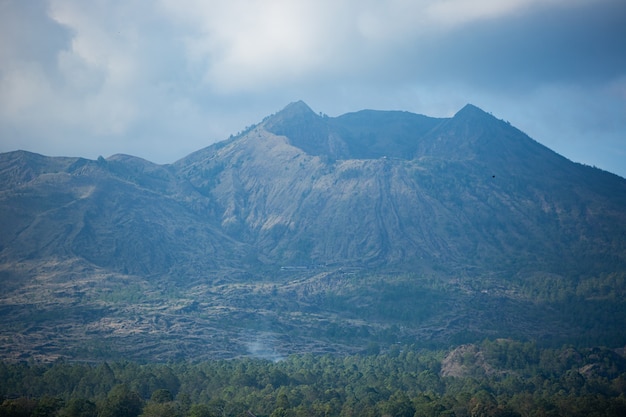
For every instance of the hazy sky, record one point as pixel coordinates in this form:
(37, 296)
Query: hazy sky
(162, 78)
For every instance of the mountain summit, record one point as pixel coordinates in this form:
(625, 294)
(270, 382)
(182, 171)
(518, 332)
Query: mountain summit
(361, 223)
(473, 112)
(296, 109)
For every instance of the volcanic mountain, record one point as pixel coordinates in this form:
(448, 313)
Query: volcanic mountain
(309, 232)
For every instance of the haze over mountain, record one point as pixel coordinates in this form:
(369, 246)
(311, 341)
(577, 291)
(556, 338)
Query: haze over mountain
(312, 233)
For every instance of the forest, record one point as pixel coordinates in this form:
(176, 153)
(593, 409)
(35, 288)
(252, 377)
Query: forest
(493, 378)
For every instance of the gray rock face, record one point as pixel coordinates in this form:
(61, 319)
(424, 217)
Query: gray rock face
(312, 233)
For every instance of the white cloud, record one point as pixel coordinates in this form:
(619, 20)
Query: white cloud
(88, 86)
(243, 45)
(453, 12)
(21, 88)
(162, 78)
(252, 45)
(105, 79)
(101, 67)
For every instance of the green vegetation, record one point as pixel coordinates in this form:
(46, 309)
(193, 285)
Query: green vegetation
(495, 378)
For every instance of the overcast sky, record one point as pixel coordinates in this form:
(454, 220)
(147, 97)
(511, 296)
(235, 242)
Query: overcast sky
(162, 78)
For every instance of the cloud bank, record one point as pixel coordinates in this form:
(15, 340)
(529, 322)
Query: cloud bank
(160, 79)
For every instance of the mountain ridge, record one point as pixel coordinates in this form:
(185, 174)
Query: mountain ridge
(317, 233)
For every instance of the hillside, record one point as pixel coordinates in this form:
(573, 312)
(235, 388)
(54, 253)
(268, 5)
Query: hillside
(312, 233)
(465, 191)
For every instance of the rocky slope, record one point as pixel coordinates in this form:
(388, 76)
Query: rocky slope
(308, 232)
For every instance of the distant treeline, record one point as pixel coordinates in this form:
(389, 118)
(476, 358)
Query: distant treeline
(495, 378)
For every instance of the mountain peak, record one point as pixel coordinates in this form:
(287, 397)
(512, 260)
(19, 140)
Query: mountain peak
(296, 110)
(471, 111)
(297, 107)
(302, 126)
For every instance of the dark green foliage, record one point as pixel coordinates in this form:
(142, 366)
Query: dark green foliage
(79, 407)
(161, 396)
(18, 407)
(122, 402)
(47, 407)
(200, 410)
(501, 378)
(153, 409)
